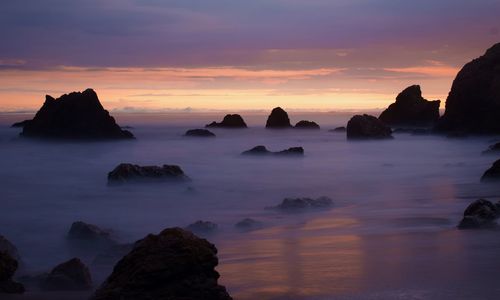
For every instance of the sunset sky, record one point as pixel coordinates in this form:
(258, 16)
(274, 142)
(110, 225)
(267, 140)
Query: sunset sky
(231, 54)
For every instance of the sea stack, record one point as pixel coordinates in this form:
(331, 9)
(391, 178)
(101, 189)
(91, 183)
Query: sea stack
(367, 127)
(411, 109)
(229, 121)
(278, 119)
(78, 115)
(473, 104)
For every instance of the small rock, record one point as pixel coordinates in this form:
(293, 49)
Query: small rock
(128, 172)
(229, 121)
(493, 173)
(200, 133)
(307, 125)
(72, 275)
(304, 203)
(338, 129)
(480, 214)
(367, 127)
(291, 151)
(278, 119)
(202, 227)
(8, 267)
(262, 150)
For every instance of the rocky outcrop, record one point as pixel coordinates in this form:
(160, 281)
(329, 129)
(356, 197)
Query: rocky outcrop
(307, 125)
(199, 133)
(278, 119)
(480, 214)
(72, 275)
(473, 104)
(229, 121)
(493, 173)
(8, 267)
(367, 127)
(174, 264)
(7, 246)
(20, 124)
(304, 203)
(202, 227)
(411, 109)
(124, 173)
(262, 150)
(78, 115)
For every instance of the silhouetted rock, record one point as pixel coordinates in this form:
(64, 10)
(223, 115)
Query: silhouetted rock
(82, 232)
(367, 127)
(202, 227)
(413, 130)
(304, 203)
(262, 150)
(495, 148)
(199, 133)
(278, 119)
(473, 104)
(20, 124)
(248, 224)
(74, 116)
(128, 172)
(72, 275)
(7, 246)
(257, 150)
(338, 129)
(174, 264)
(493, 173)
(229, 121)
(8, 267)
(480, 214)
(306, 125)
(411, 109)
(291, 151)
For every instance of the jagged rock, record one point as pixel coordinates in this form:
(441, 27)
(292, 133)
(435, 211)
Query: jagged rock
(199, 133)
(229, 121)
(307, 125)
(89, 234)
(8, 267)
(473, 104)
(495, 148)
(411, 109)
(128, 172)
(174, 264)
(304, 203)
(72, 275)
(20, 124)
(338, 129)
(367, 127)
(74, 116)
(262, 150)
(7, 246)
(278, 119)
(248, 224)
(480, 214)
(202, 227)
(493, 173)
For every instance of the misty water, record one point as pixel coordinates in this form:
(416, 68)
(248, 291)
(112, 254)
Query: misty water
(391, 233)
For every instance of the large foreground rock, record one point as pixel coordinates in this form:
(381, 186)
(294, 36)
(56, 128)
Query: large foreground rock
(229, 121)
(411, 109)
(493, 173)
(278, 119)
(262, 150)
(8, 267)
(480, 214)
(129, 173)
(367, 127)
(78, 115)
(174, 264)
(72, 275)
(473, 104)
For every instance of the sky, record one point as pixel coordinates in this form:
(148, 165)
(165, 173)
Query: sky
(150, 55)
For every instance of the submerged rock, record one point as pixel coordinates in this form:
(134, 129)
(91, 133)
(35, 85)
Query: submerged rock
(480, 214)
(493, 173)
(9, 248)
(74, 116)
(262, 150)
(128, 172)
(411, 109)
(72, 275)
(278, 119)
(473, 105)
(229, 121)
(307, 125)
(174, 264)
(304, 203)
(338, 129)
(8, 267)
(20, 124)
(200, 133)
(248, 224)
(202, 227)
(367, 127)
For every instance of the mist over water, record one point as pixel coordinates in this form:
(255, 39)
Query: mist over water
(390, 235)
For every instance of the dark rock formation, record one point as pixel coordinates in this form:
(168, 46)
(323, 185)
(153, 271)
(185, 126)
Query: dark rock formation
(128, 172)
(174, 264)
(91, 234)
(495, 148)
(248, 224)
(8, 267)
(367, 127)
(473, 104)
(278, 119)
(338, 129)
(304, 203)
(202, 227)
(493, 173)
(72, 275)
(480, 214)
(299, 151)
(411, 109)
(7, 246)
(20, 124)
(229, 121)
(199, 133)
(262, 150)
(74, 116)
(307, 125)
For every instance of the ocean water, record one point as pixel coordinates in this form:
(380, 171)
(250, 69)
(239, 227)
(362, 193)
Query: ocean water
(391, 233)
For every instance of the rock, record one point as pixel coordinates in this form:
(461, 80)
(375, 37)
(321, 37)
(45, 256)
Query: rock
(495, 148)
(367, 127)
(128, 172)
(473, 104)
(8, 267)
(248, 224)
(493, 173)
(112, 255)
(90, 234)
(257, 150)
(411, 109)
(262, 150)
(291, 151)
(202, 227)
(413, 130)
(78, 115)
(338, 129)
(7, 246)
(20, 124)
(307, 125)
(72, 275)
(278, 119)
(229, 121)
(480, 214)
(304, 203)
(174, 264)
(200, 133)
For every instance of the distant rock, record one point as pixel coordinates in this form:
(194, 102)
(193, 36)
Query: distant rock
(20, 124)
(8, 267)
(493, 173)
(299, 151)
(480, 214)
(278, 119)
(174, 264)
(367, 127)
(473, 102)
(304, 203)
(262, 150)
(93, 236)
(411, 109)
(199, 133)
(124, 173)
(229, 121)
(72, 275)
(307, 125)
(7, 246)
(495, 148)
(74, 116)
(248, 224)
(338, 129)
(202, 227)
